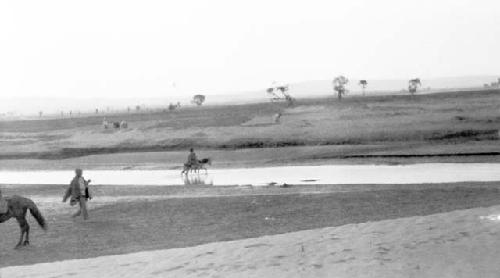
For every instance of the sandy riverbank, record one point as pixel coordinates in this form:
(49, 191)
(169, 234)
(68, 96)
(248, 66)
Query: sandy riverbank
(461, 243)
(181, 216)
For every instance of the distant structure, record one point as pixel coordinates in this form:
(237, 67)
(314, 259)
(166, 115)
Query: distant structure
(363, 83)
(413, 85)
(198, 100)
(40, 113)
(339, 84)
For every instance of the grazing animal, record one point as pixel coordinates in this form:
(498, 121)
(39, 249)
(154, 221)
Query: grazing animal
(277, 118)
(413, 84)
(17, 208)
(105, 123)
(196, 167)
(123, 124)
(116, 124)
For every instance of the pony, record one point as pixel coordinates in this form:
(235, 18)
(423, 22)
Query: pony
(17, 208)
(196, 168)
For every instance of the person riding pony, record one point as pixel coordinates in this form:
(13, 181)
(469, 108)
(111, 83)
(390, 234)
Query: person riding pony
(192, 160)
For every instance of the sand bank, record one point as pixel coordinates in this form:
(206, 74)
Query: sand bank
(455, 244)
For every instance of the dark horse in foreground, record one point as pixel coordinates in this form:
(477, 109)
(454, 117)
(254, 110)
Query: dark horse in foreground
(18, 206)
(196, 167)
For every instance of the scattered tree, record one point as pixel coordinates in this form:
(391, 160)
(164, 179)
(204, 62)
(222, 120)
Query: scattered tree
(198, 99)
(339, 84)
(363, 84)
(413, 85)
(280, 92)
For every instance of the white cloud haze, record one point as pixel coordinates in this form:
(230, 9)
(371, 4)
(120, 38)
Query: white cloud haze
(137, 48)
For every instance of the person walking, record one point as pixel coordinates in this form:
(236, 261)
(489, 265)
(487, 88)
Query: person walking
(79, 193)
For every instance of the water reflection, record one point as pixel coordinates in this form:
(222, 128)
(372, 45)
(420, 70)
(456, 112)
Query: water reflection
(198, 179)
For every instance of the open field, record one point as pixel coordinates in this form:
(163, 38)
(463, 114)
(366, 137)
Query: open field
(382, 128)
(191, 216)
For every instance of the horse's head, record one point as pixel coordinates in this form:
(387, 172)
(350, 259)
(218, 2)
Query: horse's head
(206, 161)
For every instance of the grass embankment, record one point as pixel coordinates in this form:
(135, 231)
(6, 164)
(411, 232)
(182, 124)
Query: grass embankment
(468, 121)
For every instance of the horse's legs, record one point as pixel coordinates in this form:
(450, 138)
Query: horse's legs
(27, 238)
(22, 225)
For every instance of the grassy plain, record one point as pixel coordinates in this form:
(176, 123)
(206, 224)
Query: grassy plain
(456, 126)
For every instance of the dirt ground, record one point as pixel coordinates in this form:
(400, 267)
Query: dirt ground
(188, 217)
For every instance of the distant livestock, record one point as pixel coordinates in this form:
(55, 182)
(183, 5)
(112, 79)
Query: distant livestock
(117, 125)
(105, 124)
(276, 118)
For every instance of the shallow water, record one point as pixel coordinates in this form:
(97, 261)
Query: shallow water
(325, 174)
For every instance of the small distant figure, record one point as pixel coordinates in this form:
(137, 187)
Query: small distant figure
(123, 124)
(105, 123)
(192, 159)
(277, 118)
(78, 190)
(4, 206)
(116, 124)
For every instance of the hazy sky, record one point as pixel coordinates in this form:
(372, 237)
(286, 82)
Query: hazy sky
(157, 48)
